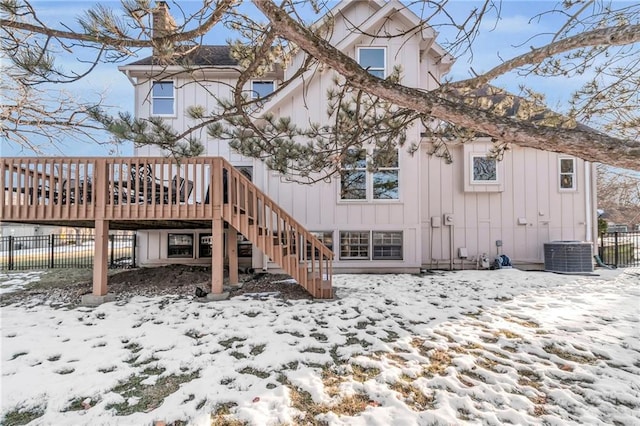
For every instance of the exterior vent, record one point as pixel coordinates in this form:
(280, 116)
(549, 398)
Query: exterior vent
(568, 257)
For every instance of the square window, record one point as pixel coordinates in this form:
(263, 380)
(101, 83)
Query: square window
(354, 245)
(387, 245)
(353, 185)
(180, 246)
(567, 173)
(261, 89)
(163, 98)
(385, 185)
(484, 169)
(373, 59)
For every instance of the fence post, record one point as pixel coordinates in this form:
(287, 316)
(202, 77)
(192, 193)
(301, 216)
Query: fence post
(601, 247)
(52, 245)
(111, 249)
(616, 249)
(10, 252)
(133, 250)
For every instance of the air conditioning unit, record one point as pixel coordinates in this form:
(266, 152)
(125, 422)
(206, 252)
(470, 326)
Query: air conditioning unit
(568, 257)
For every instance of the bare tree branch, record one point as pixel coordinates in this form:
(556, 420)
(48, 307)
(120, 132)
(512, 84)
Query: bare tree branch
(614, 36)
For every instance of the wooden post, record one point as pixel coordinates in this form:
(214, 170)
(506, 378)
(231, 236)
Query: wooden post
(100, 257)
(217, 256)
(217, 234)
(232, 250)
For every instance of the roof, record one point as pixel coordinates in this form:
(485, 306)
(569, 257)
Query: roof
(204, 55)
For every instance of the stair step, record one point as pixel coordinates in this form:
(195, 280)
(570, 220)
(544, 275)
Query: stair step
(254, 219)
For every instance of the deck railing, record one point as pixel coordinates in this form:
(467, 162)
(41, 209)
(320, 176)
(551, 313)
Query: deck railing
(138, 189)
(135, 188)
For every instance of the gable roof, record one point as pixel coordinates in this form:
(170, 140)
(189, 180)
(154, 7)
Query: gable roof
(204, 55)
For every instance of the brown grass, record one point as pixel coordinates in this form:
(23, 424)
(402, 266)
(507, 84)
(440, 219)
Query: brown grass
(439, 361)
(362, 374)
(570, 356)
(301, 400)
(412, 396)
(222, 415)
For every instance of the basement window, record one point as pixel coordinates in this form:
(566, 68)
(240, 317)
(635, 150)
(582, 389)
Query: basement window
(205, 246)
(327, 239)
(371, 245)
(354, 245)
(180, 246)
(387, 245)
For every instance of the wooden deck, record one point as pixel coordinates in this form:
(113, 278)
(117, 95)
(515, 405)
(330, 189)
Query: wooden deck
(154, 193)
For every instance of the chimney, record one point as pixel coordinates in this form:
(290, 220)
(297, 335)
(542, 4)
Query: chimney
(162, 25)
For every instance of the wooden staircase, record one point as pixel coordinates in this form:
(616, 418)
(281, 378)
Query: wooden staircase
(278, 235)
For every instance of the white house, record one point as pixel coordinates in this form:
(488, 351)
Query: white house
(427, 213)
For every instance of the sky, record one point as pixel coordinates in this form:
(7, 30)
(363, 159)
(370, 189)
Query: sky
(464, 347)
(506, 37)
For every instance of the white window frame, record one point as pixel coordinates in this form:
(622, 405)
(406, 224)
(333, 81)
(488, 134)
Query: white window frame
(573, 174)
(384, 67)
(368, 244)
(369, 181)
(173, 97)
(475, 181)
(255, 94)
(371, 245)
(389, 243)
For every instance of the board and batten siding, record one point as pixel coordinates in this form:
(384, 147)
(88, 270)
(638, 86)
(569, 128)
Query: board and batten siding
(529, 210)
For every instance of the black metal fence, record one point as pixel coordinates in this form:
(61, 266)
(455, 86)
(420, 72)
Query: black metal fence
(61, 251)
(620, 249)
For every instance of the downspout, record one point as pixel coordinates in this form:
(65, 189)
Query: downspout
(265, 184)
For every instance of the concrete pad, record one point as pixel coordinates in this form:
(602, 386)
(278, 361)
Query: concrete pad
(93, 300)
(212, 297)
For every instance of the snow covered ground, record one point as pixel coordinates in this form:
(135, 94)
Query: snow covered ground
(476, 347)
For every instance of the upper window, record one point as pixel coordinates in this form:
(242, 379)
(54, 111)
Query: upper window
(567, 173)
(373, 59)
(378, 182)
(484, 169)
(163, 98)
(261, 89)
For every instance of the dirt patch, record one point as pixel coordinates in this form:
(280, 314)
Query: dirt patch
(176, 280)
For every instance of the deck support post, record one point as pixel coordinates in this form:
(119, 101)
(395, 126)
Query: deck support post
(100, 258)
(232, 250)
(99, 294)
(217, 234)
(217, 260)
